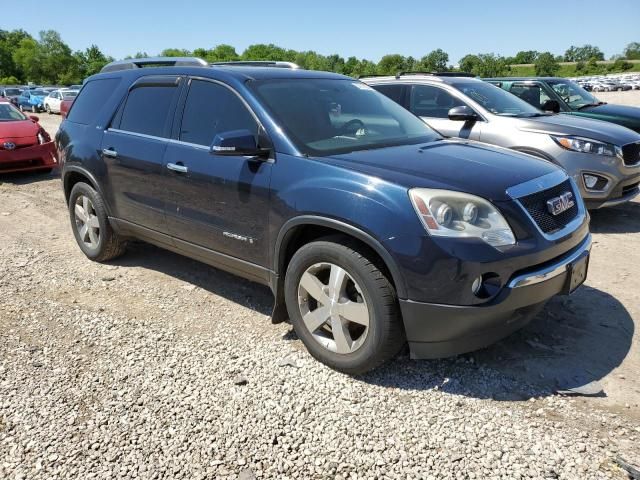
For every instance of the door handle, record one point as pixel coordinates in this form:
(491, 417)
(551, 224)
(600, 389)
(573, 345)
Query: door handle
(177, 167)
(107, 152)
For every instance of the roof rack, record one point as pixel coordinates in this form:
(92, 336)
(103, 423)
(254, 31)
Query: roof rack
(257, 63)
(132, 63)
(438, 74)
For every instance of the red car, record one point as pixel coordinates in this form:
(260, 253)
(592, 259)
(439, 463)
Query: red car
(24, 145)
(65, 105)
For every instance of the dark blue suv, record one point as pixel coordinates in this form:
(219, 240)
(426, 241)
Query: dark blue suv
(370, 229)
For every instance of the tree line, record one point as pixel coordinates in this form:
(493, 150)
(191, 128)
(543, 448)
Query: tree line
(49, 60)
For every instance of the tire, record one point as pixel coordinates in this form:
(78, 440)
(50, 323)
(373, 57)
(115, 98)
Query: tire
(366, 288)
(21, 108)
(101, 245)
(48, 109)
(34, 109)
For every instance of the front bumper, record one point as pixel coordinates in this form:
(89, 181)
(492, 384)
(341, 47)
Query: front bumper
(24, 159)
(436, 330)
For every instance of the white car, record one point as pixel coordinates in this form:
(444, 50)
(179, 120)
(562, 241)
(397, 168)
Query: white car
(54, 99)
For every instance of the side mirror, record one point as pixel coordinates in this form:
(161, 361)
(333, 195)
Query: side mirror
(34, 118)
(463, 113)
(551, 106)
(237, 143)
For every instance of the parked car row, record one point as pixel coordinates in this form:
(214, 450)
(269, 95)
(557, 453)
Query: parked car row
(37, 99)
(609, 83)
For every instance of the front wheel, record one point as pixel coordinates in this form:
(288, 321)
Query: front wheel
(47, 108)
(34, 109)
(91, 226)
(342, 306)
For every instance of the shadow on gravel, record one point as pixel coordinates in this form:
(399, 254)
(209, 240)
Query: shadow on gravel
(236, 289)
(574, 341)
(25, 178)
(624, 218)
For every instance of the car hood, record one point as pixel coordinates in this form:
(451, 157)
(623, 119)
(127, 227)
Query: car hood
(563, 124)
(459, 165)
(623, 114)
(18, 129)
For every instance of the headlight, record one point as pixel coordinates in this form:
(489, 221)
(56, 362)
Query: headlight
(41, 139)
(586, 145)
(445, 213)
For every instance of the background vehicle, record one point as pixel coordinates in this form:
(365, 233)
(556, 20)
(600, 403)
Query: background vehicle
(351, 209)
(11, 94)
(24, 145)
(65, 105)
(603, 158)
(53, 101)
(32, 100)
(571, 98)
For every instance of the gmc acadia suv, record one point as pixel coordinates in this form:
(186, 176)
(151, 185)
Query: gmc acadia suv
(370, 228)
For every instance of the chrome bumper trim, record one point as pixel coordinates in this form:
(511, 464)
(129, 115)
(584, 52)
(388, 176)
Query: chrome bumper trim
(551, 271)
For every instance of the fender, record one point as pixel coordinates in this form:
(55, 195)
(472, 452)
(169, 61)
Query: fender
(69, 168)
(284, 237)
(535, 153)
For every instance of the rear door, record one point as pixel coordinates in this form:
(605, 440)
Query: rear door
(432, 104)
(133, 151)
(220, 203)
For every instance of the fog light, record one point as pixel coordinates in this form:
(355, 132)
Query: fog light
(594, 182)
(476, 285)
(590, 181)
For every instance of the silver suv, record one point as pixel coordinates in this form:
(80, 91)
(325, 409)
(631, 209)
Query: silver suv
(603, 158)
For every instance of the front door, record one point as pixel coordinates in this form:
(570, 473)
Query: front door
(220, 203)
(432, 104)
(133, 150)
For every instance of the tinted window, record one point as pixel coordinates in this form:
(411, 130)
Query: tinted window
(394, 92)
(93, 96)
(210, 109)
(495, 99)
(532, 94)
(330, 116)
(434, 102)
(148, 110)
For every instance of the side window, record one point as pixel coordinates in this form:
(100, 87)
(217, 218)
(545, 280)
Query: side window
(394, 92)
(532, 94)
(210, 109)
(147, 110)
(92, 97)
(433, 102)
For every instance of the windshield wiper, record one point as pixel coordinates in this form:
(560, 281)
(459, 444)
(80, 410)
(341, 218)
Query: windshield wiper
(591, 105)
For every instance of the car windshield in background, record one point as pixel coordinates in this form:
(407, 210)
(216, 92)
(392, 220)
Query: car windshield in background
(40, 93)
(326, 117)
(69, 93)
(573, 94)
(496, 100)
(12, 91)
(9, 113)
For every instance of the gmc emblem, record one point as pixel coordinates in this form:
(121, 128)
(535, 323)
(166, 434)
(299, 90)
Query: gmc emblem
(560, 204)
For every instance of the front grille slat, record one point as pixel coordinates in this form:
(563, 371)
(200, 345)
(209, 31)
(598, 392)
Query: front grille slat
(536, 205)
(631, 154)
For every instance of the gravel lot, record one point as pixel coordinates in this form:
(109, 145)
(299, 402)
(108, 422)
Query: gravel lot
(156, 366)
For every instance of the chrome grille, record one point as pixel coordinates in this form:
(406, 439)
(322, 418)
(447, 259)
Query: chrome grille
(536, 205)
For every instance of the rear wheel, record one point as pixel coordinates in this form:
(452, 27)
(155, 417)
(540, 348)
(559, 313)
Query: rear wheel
(90, 224)
(47, 108)
(343, 308)
(21, 108)
(34, 109)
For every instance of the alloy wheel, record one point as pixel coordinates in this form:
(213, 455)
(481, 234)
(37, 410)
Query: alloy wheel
(333, 308)
(87, 223)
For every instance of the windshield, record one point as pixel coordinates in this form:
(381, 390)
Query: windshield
(69, 93)
(11, 91)
(40, 93)
(573, 94)
(496, 100)
(326, 116)
(9, 113)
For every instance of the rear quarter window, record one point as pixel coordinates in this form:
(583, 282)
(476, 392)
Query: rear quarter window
(91, 99)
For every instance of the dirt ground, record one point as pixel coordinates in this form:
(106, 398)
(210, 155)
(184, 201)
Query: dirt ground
(591, 336)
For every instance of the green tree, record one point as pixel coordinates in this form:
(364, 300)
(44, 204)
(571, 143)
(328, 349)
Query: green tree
(468, 63)
(435, 61)
(175, 52)
(485, 65)
(524, 57)
(10, 80)
(632, 51)
(92, 60)
(26, 58)
(546, 65)
(584, 53)
(620, 65)
(263, 51)
(9, 42)
(392, 64)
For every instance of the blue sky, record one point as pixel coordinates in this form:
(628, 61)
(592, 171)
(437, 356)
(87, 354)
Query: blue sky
(347, 27)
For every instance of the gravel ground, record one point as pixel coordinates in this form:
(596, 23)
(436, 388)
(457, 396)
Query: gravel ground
(158, 367)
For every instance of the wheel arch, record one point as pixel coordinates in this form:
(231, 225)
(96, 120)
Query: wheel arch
(73, 174)
(303, 229)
